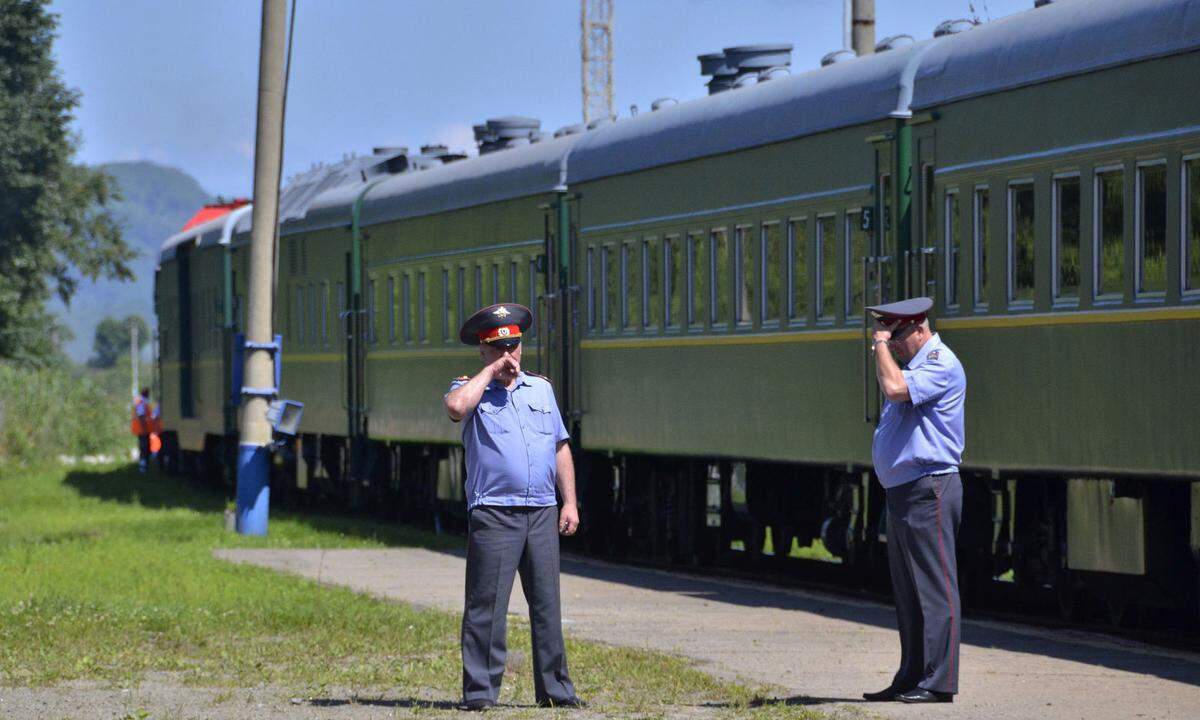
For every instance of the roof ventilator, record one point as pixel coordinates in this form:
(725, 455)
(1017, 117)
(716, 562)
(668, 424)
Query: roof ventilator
(570, 130)
(744, 65)
(837, 56)
(505, 132)
(661, 103)
(893, 42)
(953, 27)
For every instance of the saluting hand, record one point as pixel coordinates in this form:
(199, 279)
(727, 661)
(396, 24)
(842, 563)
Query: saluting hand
(884, 332)
(505, 367)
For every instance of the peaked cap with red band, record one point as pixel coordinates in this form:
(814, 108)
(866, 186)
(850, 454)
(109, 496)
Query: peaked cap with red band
(501, 324)
(909, 312)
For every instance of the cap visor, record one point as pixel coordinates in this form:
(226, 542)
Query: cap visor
(508, 343)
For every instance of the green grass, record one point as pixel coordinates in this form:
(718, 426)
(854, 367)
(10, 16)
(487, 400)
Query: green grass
(106, 575)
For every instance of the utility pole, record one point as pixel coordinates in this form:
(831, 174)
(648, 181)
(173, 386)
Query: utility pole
(133, 354)
(596, 45)
(253, 489)
(859, 20)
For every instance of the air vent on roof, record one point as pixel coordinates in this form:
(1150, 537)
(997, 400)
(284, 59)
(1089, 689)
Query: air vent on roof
(893, 42)
(953, 27)
(505, 132)
(569, 130)
(837, 56)
(661, 103)
(1039, 3)
(775, 72)
(395, 160)
(599, 122)
(389, 150)
(743, 65)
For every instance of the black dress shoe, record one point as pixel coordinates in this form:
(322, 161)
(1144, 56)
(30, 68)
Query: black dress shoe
(886, 695)
(921, 695)
(571, 702)
(477, 705)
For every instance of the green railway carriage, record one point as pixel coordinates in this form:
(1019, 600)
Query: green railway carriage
(699, 275)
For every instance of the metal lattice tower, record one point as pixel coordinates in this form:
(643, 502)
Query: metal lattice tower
(596, 22)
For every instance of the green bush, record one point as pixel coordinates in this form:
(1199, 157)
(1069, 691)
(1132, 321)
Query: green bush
(62, 410)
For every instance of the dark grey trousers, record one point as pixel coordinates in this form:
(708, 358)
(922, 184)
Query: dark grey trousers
(500, 542)
(922, 526)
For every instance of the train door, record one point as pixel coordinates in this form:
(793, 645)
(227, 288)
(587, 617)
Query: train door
(557, 311)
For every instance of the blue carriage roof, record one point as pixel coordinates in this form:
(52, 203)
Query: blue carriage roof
(1064, 38)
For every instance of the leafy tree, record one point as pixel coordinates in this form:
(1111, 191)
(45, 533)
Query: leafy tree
(54, 220)
(112, 339)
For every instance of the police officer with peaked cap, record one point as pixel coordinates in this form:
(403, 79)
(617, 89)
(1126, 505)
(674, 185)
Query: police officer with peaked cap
(916, 450)
(517, 452)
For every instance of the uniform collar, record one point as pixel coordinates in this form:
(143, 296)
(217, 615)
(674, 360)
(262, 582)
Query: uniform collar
(933, 343)
(522, 379)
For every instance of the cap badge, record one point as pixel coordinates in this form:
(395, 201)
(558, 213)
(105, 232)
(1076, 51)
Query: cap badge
(501, 312)
(503, 332)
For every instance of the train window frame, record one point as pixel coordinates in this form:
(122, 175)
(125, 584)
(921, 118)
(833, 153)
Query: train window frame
(422, 306)
(952, 255)
(1099, 297)
(745, 296)
(313, 319)
(980, 236)
(1012, 187)
(590, 285)
(1056, 292)
(372, 311)
(1189, 254)
(496, 297)
(696, 277)
(795, 318)
(391, 308)
(675, 310)
(766, 319)
(405, 308)
(324, 313)
(651, 283)
(718, 291)
(819, 289)
(298, 315)
(447, 302)
(852, 221)
(460, 291)
(514, 274)
(535, 295)
(1139, 230)
(630, 253)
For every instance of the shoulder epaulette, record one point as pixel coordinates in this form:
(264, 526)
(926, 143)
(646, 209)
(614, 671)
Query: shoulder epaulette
(462, 377)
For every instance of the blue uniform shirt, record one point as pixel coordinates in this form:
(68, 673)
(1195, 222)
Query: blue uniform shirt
(924, 435)
(511, 440)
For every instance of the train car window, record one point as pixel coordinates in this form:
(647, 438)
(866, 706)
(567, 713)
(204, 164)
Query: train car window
(718, 276)
(314, 332)
(1152, 228)
(826, 266)
(797, 271)
(929, 229)
(512, 281)
(372, 315)
(858, 242)
(478, 279)
(537, 288)
(590, 287)
(674, 280)
(391, 309)
(1066, 237)
(341, 302)
(1020, 243)
(979, 240)
(406, 306)
(422, 305)
(447, 305)
(631, 276)
(1109, 233)
(771, 272)
(651, 284)
(744, 276)
(696, 270)
(460, 294)
(610, 281)
(953, 248)
(888, 245)
(496, 292)
(324, 314)
(298, 316)
(1191, 225)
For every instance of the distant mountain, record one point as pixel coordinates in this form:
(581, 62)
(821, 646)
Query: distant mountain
(156, 202)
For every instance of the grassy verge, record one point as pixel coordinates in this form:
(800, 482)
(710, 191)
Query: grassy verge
(106, 575)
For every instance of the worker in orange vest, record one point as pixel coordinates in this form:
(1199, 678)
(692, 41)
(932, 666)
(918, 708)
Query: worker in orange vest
(144, 423)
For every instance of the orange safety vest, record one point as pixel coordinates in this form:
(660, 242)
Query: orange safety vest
(142, 425)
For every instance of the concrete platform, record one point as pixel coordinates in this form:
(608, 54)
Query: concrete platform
(821, 649)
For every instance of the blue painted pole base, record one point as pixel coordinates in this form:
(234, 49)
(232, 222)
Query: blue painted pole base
(253, 489)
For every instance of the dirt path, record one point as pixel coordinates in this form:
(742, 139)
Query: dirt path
(823, 649)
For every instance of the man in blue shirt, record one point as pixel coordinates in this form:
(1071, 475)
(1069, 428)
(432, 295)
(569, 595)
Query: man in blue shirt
(516, 452)
(916, 450)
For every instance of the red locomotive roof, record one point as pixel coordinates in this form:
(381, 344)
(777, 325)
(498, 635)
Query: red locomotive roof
(214, 210)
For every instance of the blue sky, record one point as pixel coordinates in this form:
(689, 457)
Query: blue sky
(174, 81)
